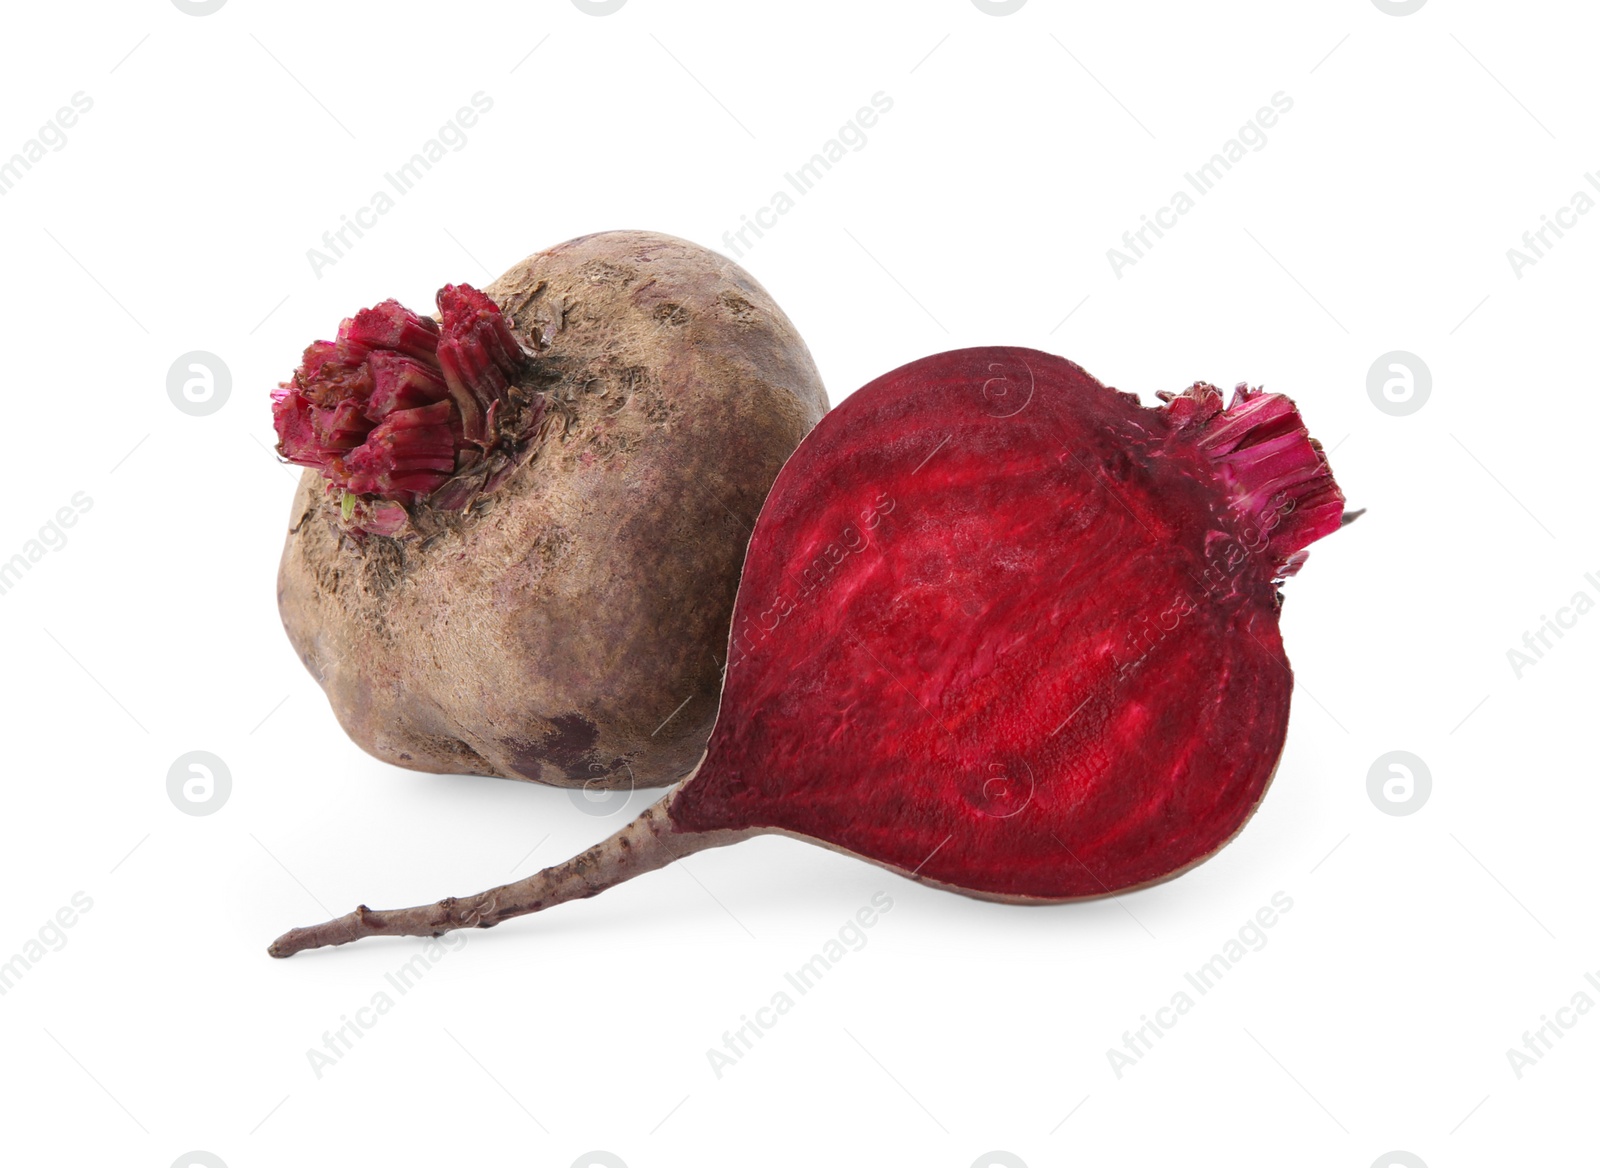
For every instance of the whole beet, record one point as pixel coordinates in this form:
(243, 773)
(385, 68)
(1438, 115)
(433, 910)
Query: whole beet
(569, 626)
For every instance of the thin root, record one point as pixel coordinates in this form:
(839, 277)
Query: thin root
(651, 841)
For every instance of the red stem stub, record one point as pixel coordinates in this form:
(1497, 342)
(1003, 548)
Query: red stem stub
(401, 411)
(1277, 475)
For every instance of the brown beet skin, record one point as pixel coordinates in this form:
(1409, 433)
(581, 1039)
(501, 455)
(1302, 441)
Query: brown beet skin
(571, 628)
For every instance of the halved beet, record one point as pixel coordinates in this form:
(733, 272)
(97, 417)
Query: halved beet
(1000, 629)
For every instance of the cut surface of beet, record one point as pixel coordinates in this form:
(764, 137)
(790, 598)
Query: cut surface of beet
(1006, 628)
(1000, 628)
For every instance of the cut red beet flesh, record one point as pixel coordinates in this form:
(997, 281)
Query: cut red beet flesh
(1002, 626)
(1001, 629)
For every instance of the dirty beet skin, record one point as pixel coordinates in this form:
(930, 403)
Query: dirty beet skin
(516, 545)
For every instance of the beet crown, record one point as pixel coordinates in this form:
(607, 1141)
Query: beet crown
(402, 409)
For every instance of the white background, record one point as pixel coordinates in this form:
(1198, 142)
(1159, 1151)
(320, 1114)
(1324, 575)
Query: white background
(1377, 217)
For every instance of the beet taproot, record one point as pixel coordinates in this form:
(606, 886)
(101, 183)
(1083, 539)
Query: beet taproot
(517, 543)
(1001, 630)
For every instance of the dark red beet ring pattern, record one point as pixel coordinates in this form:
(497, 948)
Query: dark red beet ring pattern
(1005, 628)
